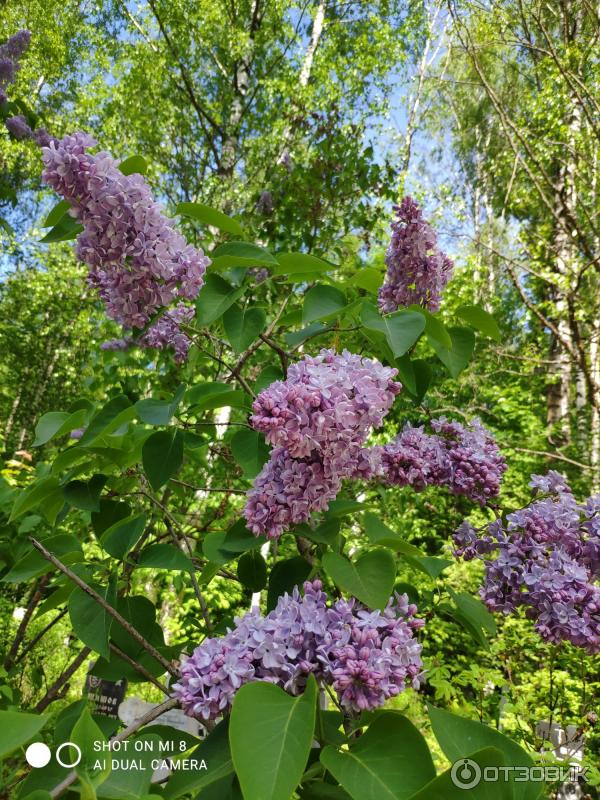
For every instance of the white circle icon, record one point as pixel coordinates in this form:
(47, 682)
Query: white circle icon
(67, 764)
(465, 773)
(37, 754)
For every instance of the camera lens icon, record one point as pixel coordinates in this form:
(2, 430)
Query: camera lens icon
(466, 773)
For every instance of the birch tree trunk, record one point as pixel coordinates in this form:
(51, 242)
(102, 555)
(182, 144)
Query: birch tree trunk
(305, 71)
(559, 396)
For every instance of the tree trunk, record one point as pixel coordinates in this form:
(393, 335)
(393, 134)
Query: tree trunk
(241, 80)
(559, 395)
(305, 71)
(414, 100)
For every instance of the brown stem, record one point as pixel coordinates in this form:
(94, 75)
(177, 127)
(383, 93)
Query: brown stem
(54, 692)
(30, 645)
(556, 456)
(135, 634)
(35, 598)
(139, 668)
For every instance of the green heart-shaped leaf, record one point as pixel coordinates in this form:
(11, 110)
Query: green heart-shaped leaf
(457, 358)
(370, 578)
(243, 326)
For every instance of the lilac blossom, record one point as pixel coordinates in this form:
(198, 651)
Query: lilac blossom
(287, 491)
(10, 54)
(18, 127)
(166, 331)
(417, 271)
(463, 458)
(545, 558)
(124, 343)
(42, 138)
(365, 656)
(326, 403)
(259, 274)
(138, 262)
(318, 419)
(264, 204)
(7, 71)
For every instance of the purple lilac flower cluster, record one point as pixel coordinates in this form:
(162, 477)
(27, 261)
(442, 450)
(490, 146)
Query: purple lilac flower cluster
(547, 560)
(138, 262)
(365, 656)
(464, 459)
(318, 419)
(417, 271)
(10, 54)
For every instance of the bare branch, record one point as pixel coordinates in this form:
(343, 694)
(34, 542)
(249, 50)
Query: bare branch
(133, 632)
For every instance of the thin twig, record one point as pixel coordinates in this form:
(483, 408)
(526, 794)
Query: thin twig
(30, 645)
(170, 521)
(207, 488)
(35, 598)
(133, 632)
(262, 338)
(139, 668)
(556, 456)
(54, 692)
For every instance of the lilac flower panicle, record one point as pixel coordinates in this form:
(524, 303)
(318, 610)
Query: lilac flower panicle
(417, 271)
(42, 138)
(259, 274)
(287, 491)
(7, 71)
(365, 656)
(546, 559)
(138, 262)
(327, 402)
(18, 127)
(463, 458)
(264, 204)
(16, 46)
(318, 420)
(10, 54)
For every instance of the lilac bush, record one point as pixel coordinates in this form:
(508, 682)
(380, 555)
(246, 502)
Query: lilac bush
(139, 264)
(365, 656)
(546, 559)
(318, 421)
(417, 271)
